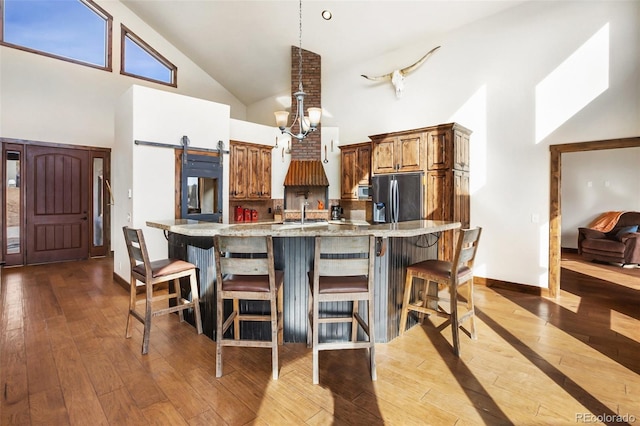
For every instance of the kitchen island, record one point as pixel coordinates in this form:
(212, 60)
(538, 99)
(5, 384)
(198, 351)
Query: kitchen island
(398, 245)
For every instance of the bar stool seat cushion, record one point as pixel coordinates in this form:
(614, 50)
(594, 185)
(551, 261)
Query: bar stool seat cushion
(439, 268)
(346, 284)
(258, 283)
(160, 268)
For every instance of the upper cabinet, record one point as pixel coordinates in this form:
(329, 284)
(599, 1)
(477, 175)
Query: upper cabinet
(398, 152)
(447, 148)
(250, 171)
(356, 169)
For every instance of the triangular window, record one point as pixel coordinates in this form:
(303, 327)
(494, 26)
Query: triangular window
(78, 31)
(142, 61)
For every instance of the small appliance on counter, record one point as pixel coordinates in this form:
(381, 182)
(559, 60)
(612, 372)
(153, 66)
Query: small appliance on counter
(277, 216)
(336, 212)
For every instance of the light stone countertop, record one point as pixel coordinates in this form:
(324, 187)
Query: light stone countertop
(332, 228)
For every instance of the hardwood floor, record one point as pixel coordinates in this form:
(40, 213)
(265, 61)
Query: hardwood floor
(64, 360)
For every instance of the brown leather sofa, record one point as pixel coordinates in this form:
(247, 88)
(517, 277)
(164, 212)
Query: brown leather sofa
(615, 245)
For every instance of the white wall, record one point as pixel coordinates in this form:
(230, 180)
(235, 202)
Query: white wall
(595, 182)
(149, 172)
(538, 74)
(46, 99)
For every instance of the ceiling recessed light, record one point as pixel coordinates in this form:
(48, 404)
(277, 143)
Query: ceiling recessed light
(326, 15)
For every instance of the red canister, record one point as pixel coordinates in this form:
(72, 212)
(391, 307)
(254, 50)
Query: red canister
(247, 215)
(239, 214)
(254, 215)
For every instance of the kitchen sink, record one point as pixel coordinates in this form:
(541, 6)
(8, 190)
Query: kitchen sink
(299, 224)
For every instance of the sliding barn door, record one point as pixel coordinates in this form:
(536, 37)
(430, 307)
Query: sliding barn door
(57, 204)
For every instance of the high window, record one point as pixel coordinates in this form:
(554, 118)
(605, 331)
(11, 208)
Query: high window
(78, 31)
(142, 61)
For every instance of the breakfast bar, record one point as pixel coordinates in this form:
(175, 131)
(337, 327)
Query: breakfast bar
(397, 245)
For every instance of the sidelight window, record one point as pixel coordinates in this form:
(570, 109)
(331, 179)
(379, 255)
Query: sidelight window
(13, 195)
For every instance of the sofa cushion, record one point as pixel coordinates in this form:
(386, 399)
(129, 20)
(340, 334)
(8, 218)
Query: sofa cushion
(626, 230)
(603, 244)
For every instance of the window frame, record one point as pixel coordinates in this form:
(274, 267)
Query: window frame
(127, 33)
(108, 38)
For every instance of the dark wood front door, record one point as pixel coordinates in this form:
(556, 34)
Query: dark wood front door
(57, 199)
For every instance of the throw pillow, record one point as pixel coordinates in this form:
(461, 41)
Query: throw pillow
(626, 230)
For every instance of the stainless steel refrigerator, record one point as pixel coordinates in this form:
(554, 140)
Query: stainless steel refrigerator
(398, 197)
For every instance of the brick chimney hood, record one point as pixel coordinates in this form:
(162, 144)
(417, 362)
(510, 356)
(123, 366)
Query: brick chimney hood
(306, 167)
(306, 173)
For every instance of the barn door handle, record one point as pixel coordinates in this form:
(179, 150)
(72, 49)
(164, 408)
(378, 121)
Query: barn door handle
(111, 202)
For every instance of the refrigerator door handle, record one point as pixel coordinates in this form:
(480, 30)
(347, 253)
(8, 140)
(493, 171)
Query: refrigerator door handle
(395, 201)
(392, 201)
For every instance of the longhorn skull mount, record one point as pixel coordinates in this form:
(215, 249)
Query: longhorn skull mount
(397, 76)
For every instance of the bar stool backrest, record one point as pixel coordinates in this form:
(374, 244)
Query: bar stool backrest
(466, 250)
(345, 256)
(137, 249)
(253, 264)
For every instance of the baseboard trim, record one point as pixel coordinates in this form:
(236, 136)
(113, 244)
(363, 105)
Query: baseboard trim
(121, 281)
(506, 285)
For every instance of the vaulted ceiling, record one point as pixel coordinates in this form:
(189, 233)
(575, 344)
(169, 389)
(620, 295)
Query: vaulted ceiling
(246, 45)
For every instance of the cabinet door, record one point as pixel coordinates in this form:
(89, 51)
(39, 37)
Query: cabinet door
(461, 203)
(383, 159)
(440, 206)
(408, 153)
(438, 149)
(461, 151)
(348, 182)
(439, 195)
(363, 165)
(255, 173)
(238, 172)
(265, 155)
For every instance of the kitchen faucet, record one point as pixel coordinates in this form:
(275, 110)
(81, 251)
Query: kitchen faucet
(303, 205)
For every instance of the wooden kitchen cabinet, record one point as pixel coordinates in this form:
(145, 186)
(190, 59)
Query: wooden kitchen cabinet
(448, 180)
(442, 153)
(397, 153)
(355, 162)
(447, 147)
(250, 171)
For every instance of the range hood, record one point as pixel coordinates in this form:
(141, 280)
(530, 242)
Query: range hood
(306, 173)
(306, 182)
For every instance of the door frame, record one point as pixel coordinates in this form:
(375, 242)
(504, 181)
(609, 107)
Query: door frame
(555, 191)
(94, 152)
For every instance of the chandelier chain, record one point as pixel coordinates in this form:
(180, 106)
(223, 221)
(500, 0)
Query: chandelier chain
(300, 48)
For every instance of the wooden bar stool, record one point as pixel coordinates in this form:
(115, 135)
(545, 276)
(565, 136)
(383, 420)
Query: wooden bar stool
(342, 272)
(245, 271)
(150, 273)
(450, 275)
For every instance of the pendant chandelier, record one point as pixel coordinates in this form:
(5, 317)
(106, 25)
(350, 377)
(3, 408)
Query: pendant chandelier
(306, 124)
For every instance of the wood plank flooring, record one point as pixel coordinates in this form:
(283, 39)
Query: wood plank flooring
(64, 360)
